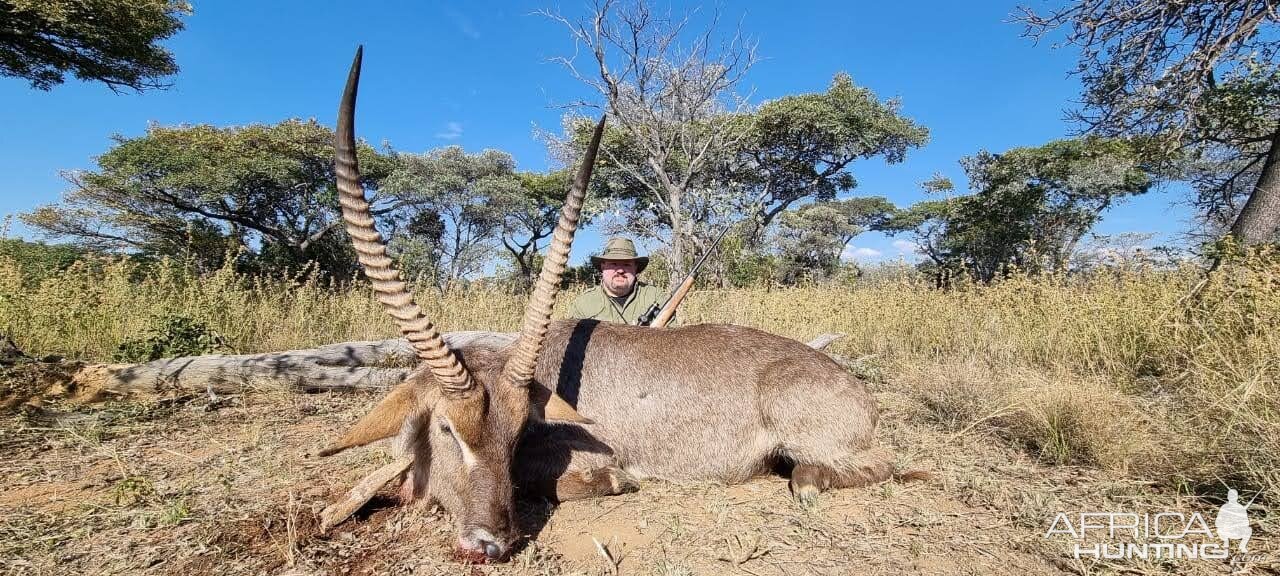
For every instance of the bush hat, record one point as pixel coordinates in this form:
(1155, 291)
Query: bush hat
(621, 249)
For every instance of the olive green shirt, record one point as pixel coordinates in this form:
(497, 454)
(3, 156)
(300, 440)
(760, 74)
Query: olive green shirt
(596, 304)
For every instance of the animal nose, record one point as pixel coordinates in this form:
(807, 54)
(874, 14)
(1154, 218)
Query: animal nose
(480, 541)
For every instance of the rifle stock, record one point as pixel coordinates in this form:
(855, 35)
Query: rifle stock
(674, 302)
(659, 318)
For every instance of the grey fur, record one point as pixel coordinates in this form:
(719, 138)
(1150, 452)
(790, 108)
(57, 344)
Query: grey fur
(696, 403)
(705, 402)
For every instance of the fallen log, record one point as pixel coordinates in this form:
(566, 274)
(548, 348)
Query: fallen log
(364, 365)
(824, 340)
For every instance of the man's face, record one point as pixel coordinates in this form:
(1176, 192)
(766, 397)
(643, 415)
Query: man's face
(618, 276)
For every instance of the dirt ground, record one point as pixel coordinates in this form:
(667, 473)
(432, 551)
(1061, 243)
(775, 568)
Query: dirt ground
(228, 488)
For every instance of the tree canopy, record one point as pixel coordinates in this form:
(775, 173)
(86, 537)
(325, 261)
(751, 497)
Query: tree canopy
(796, 149)
(671, 98)
(1199, 80)
(811, 240)
(201, 190)
(456, 205)
(110, 41)
(1029, 206)
(530, 216)
(799, 147)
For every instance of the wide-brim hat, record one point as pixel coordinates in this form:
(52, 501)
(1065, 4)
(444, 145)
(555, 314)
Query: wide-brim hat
(622, 249)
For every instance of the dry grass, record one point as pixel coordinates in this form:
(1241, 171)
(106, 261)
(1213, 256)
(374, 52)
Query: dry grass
(188, 490)
(1056, 415)
(1116, 372)
(1122, 326)
(1099, 369)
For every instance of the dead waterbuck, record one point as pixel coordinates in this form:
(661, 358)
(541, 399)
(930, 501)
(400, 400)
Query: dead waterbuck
(705, 402)
(464, 419)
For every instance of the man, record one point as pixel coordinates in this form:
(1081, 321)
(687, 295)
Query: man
(620, 297)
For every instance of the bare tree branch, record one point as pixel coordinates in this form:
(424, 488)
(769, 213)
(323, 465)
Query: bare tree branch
(670, 101)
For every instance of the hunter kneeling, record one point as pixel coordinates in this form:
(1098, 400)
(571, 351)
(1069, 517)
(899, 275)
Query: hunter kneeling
(620, 297)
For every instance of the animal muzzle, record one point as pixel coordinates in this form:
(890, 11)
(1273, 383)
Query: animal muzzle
(480, 545)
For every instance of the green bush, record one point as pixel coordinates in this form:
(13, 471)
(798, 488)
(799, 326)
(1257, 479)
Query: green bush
(169, 337)
(39, 260)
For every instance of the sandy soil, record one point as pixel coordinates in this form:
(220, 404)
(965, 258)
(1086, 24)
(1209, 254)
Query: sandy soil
(191, 489)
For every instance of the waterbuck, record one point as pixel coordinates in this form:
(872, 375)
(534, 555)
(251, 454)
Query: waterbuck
(576, 409)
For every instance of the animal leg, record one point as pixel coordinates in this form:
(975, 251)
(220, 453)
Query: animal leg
(566, 462)
(859, 469)
(362, 493)
(607, 481)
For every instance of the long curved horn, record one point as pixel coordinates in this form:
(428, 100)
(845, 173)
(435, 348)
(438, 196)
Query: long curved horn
(372, 252)
(537, 316)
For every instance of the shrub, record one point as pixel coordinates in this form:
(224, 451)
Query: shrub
(169, 337)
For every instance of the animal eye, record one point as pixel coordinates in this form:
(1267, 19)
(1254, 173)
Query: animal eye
(445, 428)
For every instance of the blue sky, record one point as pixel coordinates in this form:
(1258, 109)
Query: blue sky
(477, 74)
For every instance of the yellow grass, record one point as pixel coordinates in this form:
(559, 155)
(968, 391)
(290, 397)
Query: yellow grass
(1116, 369)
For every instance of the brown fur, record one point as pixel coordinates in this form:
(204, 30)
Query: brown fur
(862, 469)
(706, 402)
(580, 484)
(463, 438)
(711, 402)
(384, 421)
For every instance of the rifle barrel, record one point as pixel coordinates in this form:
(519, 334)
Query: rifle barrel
(703, 259)
(677, 295)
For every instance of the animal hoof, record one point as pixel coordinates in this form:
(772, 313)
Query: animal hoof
(807, 495)
(622, 482)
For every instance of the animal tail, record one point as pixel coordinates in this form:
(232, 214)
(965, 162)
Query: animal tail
(913, 476)
(885, 455)
(872, 466)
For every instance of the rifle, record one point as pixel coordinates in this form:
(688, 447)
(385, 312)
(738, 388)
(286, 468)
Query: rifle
(658, 317)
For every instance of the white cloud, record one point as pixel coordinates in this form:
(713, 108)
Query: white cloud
(468, 30)
(452, 131)
(857, 253)
(906, 247)
(463, 24)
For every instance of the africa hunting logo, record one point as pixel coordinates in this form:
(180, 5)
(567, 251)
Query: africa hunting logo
(1165, 535)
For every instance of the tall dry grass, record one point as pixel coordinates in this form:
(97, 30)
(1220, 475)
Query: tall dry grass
(1118, 369)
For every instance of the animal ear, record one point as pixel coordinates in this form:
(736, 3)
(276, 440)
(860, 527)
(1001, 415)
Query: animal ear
(384, 421)
(547, 405)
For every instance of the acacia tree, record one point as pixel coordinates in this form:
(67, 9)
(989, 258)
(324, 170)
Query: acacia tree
(529, 215)
(455, 206)
(201, 190)
(685, 155)
(672, 106)
(1029, 207)
(1200, 79)
(799, 147)
(109, 41)
(810, 240)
